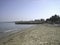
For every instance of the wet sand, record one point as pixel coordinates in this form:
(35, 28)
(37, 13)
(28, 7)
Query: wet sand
(42, 34)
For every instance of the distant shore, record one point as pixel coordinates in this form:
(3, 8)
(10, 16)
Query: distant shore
(42, 34)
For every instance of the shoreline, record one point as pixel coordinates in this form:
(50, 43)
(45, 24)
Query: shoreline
(13, 34)
(10, 31)
(39, 34)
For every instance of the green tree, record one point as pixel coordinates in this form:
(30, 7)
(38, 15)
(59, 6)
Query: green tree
(54, 19)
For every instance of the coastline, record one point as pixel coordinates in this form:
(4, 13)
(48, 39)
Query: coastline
(9, 31)
(36, 35)
(12, 34)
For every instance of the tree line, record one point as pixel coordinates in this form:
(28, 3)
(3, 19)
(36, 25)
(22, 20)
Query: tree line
(55, 19)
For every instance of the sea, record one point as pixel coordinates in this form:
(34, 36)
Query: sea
(10, 27)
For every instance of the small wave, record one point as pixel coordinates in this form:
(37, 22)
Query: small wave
(10, 30)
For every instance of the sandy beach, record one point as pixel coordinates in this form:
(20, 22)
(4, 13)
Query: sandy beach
(42, 34)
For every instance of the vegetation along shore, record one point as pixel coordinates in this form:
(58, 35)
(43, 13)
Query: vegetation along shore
(55, 19)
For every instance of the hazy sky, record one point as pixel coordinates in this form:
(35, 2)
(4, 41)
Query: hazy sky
(12, 10)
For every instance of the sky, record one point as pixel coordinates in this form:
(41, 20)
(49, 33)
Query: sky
(17, 10)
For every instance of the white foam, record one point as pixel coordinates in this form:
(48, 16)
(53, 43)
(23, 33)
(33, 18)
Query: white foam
(10, 30)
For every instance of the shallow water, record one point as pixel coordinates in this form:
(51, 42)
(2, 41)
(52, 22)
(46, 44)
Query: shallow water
(5, 27)
(11, 27)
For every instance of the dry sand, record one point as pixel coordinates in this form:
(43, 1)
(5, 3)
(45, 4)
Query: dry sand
(42, 34)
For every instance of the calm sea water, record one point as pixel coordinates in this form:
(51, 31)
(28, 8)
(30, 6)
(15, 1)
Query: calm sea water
(9, 28)
(6, 27)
